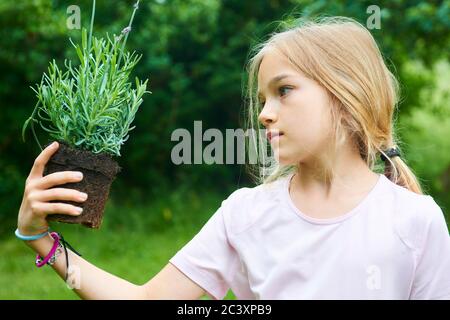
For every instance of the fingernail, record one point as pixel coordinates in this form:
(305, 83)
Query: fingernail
(83, 196)
(79, 175)
(80, 210)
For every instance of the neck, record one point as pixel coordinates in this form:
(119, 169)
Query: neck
(345, 174)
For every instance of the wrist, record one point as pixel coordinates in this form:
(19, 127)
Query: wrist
(40, 245)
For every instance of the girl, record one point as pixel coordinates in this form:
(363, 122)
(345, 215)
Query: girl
(322, 224)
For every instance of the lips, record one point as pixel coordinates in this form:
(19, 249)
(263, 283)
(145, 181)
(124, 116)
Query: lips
(273, 133)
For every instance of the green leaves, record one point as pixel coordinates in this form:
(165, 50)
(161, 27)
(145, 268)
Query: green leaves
(92, 105)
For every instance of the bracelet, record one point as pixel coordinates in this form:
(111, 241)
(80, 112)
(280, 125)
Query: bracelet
(58, 252)
(33, 237)
(52, 260)
(59, 246)
(39, 261)
(65, 243)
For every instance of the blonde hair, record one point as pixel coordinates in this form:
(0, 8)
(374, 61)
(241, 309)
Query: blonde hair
(342, 56)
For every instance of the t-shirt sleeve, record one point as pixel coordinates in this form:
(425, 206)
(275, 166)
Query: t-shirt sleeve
(208, 258)
(432, 276)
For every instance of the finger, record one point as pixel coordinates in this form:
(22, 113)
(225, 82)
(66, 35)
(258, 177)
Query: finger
(39, 164)
(58, 178)
(54, 208)
(59, 194)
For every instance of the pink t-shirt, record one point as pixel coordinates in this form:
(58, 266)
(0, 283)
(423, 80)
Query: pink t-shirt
(393, 245)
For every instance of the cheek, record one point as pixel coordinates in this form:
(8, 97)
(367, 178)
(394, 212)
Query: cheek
(309, 122)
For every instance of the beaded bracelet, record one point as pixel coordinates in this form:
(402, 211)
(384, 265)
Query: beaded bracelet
(42, 261)
(52, 260)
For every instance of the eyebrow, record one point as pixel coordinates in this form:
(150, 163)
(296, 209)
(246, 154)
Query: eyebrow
(275, 80)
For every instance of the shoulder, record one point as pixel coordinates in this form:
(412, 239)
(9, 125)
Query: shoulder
(414, 214)
(246, 205)
(419, 207)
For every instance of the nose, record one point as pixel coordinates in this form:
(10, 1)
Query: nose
(268, 115)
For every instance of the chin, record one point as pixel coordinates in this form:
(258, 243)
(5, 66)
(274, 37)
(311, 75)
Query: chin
(284, 160)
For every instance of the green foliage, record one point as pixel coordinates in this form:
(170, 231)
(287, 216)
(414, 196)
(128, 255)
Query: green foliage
(93, 105)
(426, 128)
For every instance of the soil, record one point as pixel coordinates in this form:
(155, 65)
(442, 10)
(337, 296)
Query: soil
(99, 171)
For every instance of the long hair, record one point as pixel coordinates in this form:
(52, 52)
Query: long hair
(342, 56)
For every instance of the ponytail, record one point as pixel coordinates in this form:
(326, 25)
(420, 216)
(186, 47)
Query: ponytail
(396, 170)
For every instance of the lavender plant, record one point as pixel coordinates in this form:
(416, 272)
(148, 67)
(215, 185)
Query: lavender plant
(92, 105)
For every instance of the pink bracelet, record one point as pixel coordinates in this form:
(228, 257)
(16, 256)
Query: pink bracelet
(41, 262)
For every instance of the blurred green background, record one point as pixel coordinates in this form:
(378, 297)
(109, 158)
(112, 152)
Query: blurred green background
(194, 53)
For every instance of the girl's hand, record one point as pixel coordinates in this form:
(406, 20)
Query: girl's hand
(38, 192)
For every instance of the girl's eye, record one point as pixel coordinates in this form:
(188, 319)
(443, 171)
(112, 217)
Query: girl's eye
(280, 91)
(282, 88)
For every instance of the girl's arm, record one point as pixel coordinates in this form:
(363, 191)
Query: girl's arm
(88, 281)
(91, 282)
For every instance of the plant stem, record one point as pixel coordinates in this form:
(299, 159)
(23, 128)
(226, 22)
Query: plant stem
(88, 53)
(32, 125)
(136, 6)
(91, 27)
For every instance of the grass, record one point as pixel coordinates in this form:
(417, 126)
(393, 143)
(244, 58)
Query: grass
(134, 243)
